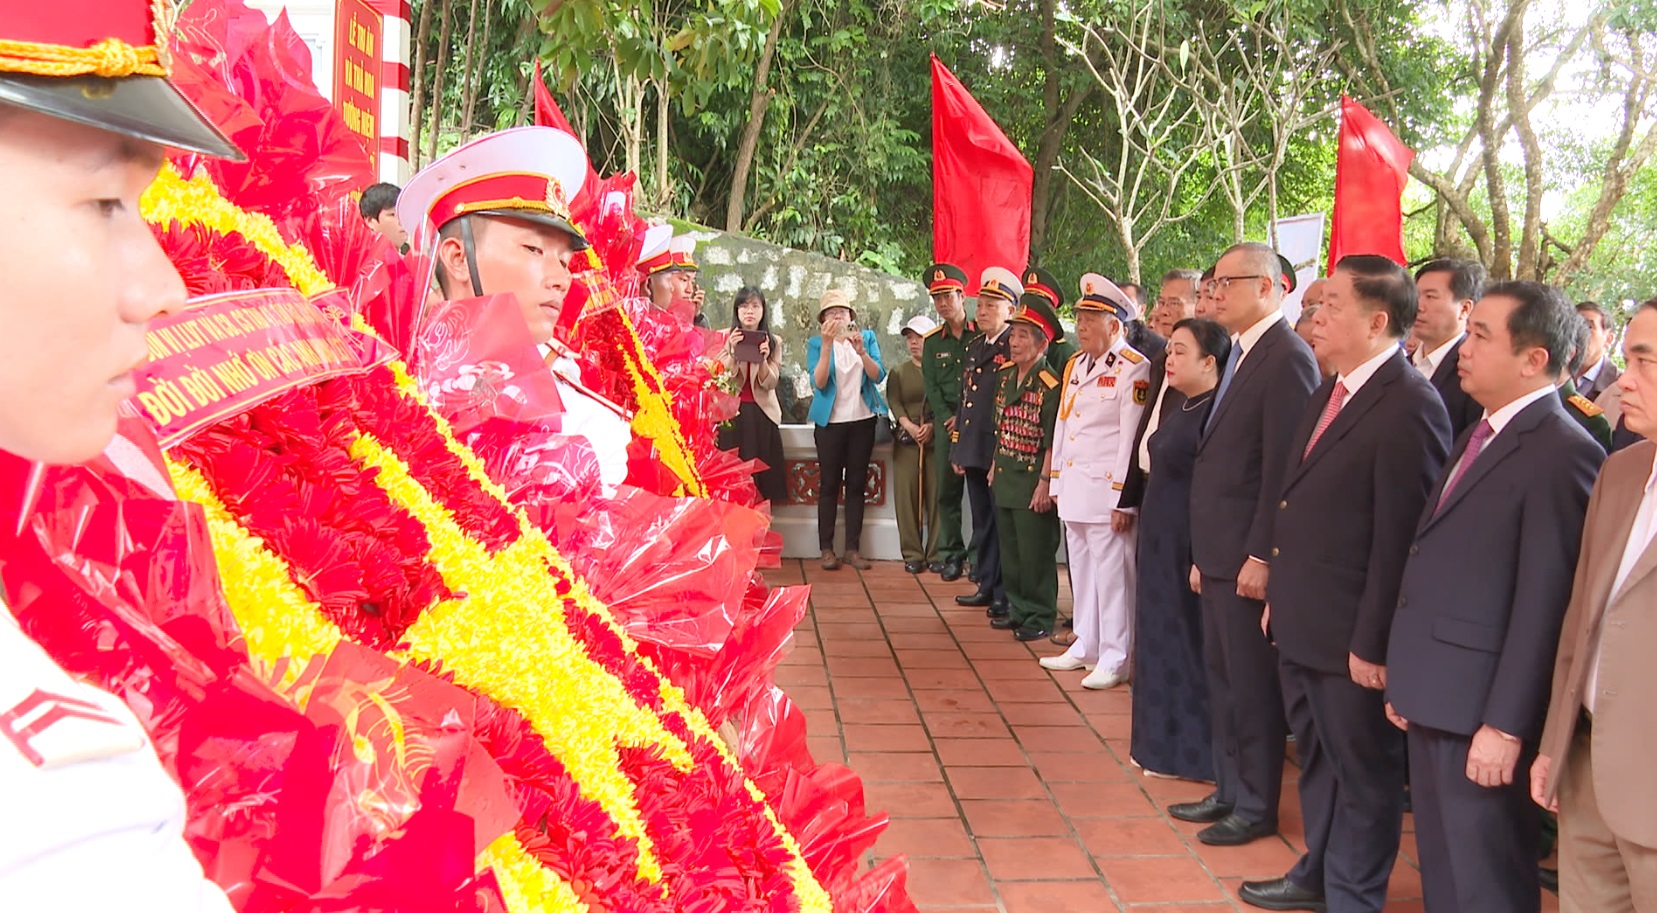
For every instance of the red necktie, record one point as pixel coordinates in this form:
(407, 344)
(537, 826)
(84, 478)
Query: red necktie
(1481, 435)
(1337, 396)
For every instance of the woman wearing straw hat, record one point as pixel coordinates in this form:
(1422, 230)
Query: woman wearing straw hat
(844, 361)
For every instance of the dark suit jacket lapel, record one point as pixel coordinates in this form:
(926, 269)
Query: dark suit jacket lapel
(1445, 373)
(1246, 371)
(1500, 448)
(1351, 413)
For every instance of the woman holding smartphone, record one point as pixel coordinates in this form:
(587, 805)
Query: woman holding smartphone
(754, 354)
(846, 372)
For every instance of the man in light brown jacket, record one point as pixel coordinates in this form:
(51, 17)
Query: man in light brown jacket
(1599, 746)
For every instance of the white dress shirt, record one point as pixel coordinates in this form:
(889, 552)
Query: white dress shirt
(590, 416)
(1640, 535)
(848, 384)
(1249, 338)
(1362, 373)
(89, 820)
(1428, 362)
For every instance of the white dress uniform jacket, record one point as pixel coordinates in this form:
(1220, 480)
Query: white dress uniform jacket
(587, 414)
(89, 821)
(1093, 437)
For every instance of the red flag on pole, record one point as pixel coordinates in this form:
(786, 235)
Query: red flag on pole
(980, 184)
(548, 114)
(1370, 172)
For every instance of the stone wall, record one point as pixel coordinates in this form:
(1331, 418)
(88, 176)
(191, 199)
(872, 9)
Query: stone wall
(793, 282)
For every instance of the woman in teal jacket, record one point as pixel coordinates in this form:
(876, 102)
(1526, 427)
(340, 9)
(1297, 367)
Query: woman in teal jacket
(846, 405)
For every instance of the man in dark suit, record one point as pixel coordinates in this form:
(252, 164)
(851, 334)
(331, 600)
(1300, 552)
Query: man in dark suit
(1598, 372)
(1479, 608)
(1369, 445)
(1448, 290)
(973, 452)
(1263, 389)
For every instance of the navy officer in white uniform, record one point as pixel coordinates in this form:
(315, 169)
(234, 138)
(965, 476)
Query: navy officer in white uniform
(499, 209)
(89, 820)
(1105, 388)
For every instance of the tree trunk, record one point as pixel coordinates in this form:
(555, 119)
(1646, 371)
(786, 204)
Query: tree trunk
(757, 103)
(468, 83)
(422, 35)
(437, 81)
(1626, 159)
(663, 107)
(479, 80)
(1530, 238)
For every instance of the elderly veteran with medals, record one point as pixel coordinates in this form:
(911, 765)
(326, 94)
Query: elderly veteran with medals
(91, 821)
(499, 207)
(1027, 405)
(1041, 282)
(1102, 394)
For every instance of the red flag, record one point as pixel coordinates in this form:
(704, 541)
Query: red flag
(548, 114)
(980, 184)
(1370, 172)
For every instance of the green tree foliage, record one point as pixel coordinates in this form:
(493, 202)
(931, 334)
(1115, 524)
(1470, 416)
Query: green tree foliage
(840, 122)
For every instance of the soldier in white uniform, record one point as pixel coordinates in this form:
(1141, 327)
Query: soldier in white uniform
(89, 820)
(499, 209)
(1105, 384)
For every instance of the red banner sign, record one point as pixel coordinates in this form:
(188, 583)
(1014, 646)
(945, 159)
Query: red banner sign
(358, 30)
(227, 353)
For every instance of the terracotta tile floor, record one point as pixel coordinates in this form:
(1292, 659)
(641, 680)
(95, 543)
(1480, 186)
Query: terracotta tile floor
(1009, 787)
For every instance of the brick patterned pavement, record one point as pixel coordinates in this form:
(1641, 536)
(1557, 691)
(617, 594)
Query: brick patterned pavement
(1009, 787)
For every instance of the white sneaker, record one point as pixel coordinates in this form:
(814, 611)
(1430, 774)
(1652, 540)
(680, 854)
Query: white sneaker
(1100, 680)
(1064, 662)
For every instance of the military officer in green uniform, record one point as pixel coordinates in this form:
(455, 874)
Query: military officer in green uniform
(974, 449)
(1589, 416)
(1027, 401)
(942, 356)
(1045, 284)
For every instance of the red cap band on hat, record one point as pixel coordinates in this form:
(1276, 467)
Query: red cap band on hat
(505, 190)
(109, 38)
(656, 264)
(1043, 291)
(1028, 316)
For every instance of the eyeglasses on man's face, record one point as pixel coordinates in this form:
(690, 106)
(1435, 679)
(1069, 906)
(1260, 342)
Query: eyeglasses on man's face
(1219, 285)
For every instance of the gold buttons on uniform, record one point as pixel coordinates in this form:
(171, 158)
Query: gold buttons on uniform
(1274, 553)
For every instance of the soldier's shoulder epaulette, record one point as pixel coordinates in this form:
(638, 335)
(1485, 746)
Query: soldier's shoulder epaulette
(1132, 355)
(1007, 364)
(1047, 379)
(1585, 406)
(934, 331)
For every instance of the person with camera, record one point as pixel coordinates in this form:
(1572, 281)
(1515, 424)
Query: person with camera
(844, 361)
(913, 486)
(754, 354)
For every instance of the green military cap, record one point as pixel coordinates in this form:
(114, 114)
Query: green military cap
(1290, 280)
(945, 277)
(1035, 310)
(1042, 282)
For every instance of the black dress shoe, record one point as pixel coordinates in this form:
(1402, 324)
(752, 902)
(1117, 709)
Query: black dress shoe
(914, 567)
(1000, 609)
(979, 598)
(1031, 632)
(1233, 830)
(1281, 894)
(1206, 810)
(973, 576)
(936, 567)
(951, 571)
(1003, 622)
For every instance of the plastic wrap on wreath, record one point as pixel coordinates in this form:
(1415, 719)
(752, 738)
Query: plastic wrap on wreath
(480, 369)
(116, 580)
(307, 158)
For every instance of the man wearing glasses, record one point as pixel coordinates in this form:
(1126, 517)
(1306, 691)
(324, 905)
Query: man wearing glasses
(1263, 389)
